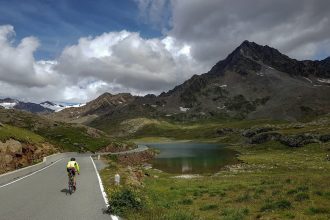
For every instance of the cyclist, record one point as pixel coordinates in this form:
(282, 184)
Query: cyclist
(73, 167)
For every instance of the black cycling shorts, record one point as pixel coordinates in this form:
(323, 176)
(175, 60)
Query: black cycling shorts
(71, 171)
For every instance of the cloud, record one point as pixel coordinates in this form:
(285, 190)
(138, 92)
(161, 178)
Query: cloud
(126, 59)
(213, 28)
(111, 62)
(196, 35)
(17, 63)
(157, 13)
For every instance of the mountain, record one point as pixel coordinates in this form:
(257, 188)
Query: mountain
(259, 81)
(53, 106)
(253, 81)
(101, 105)
(9, 103)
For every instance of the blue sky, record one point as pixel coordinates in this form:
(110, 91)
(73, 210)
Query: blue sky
(57, 23)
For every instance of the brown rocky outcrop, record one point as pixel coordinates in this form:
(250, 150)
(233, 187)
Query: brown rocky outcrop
(15, 155)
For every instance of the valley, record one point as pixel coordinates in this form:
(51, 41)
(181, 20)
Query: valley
(250, 139)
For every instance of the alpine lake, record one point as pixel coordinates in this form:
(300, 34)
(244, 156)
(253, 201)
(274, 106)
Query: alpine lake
(192, 158)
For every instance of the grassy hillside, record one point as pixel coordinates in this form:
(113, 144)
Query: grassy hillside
(69, 137)
(10, 132)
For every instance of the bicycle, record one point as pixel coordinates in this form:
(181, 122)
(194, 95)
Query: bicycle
(71, 183)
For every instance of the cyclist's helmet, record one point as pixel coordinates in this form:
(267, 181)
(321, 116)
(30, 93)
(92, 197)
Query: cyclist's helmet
(73, 159)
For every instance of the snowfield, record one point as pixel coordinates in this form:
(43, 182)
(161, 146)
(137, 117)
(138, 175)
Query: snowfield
(59, 107)
(8, 105)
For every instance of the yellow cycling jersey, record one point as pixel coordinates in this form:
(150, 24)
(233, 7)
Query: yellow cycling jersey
(73, 164)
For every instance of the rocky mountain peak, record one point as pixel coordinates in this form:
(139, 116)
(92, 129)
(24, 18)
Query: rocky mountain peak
(260, 53)
(47, 103)
(250, 57)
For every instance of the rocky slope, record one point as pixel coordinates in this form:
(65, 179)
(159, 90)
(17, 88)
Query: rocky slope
(20, 148)
(100, 106)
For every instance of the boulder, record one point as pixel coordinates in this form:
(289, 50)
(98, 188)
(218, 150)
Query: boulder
(3, 147)
(298, 140)
(8, 159)
(224, 131)
(325, 138)
(14, 146)
(264, 137)
(252, 132)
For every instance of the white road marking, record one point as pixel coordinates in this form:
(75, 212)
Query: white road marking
(7, 184)
(105, 197)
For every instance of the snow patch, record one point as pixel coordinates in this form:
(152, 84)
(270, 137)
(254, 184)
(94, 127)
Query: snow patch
(187, 176)
(323, 80)
(223, 86)
(260, 74)
(309, 80)
(154, 106)
(60, 106)
(8, 105)
(184, 109)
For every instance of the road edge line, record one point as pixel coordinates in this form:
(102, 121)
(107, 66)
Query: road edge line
(21, 178)
(104, 195)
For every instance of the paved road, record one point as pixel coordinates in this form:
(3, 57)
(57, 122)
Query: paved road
(43, 195)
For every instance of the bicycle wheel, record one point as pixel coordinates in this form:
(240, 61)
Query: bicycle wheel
(71, 188)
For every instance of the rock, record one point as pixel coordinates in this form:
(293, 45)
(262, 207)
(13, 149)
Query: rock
(8, 159)
(252, 132)
(264, 137)
(14, 146)
(298, 140)
(3, 147)
(224, 131)
(325, 138)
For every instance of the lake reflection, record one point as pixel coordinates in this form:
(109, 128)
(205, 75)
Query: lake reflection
(192, 158)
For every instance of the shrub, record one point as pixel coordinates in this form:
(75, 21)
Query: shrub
(243, 198)
(282, 204)
(292, 191)
(289, 215)
(234, 214)
(301, 196)
(208, 207)
(319, 193)
(303, 188)
(178, 215)
(122, 201)
(317, 210)
(186, 202)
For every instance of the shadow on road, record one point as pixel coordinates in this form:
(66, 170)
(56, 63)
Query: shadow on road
(66, 191)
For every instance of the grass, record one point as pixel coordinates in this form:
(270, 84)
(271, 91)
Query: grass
(273, 181)
(74, 138)
(27, 127)
(23, 135)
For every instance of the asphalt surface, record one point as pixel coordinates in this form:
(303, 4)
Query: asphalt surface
(44, 195)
